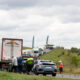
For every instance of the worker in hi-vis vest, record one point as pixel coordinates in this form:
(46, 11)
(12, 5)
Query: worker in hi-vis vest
(60, 66)
(29, 64)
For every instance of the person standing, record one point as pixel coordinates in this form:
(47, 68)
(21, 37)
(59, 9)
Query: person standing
(29, 64)
(20, 59)
(60, 66)
(14, 64)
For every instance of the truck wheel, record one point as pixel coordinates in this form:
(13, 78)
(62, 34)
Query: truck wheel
(8, 70)
(28, 73)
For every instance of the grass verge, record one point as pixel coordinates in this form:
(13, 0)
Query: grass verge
(16, 76)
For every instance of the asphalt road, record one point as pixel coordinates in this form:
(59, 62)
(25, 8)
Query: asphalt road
(75, 77)
(67, 76)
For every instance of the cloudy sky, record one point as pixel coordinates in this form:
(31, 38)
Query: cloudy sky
(60, 19)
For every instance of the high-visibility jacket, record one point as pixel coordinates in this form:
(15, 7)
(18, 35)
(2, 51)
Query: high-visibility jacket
(30, 61)
(61, 65)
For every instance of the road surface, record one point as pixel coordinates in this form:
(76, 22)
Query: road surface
(68, 76)
(75, 77)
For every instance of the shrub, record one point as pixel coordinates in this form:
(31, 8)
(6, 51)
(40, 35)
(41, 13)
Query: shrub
(75, 60)
(74, 50)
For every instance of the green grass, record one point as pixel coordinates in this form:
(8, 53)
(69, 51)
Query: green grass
(57, 54)
(26, 48)
(16, 76)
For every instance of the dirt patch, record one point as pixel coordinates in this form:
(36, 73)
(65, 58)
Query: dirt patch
(76, 70)
(66, 70)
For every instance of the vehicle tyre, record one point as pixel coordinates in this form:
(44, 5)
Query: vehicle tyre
(36, 73)
(44, 74)
(9, 70)
(54, 74)
(28, 73)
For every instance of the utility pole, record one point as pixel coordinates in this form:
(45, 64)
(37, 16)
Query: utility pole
(33, 42)
(47, 40)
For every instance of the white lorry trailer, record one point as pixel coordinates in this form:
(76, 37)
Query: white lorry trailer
(10, 47)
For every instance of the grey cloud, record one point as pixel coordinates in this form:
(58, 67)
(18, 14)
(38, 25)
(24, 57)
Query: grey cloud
(33, 17)
(31, 28)
(30, 3)
(65, 10)
(71, 19)
(65, 14)
(17, 3)
(7, 28)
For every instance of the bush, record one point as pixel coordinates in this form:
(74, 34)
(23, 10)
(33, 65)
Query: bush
(69, 53)
(74, 50)
(75, 60)
(79, 52)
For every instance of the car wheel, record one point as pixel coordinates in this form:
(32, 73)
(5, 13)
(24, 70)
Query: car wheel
(54, 74)
(44, 74)
(36, 73)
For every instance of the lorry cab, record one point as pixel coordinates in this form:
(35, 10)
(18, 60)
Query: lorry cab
(35, 52)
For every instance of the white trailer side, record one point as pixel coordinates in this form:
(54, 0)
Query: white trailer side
(11, 47)
(0, 52)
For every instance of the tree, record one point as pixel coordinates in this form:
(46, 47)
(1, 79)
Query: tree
(75, 60)
(74, 50)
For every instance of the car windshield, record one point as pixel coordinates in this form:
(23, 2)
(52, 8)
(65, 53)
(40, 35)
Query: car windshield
(48, 64)
(45, 61)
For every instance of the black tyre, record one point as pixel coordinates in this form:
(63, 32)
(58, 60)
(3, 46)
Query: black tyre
(44, 74)
(28, 73)
(36, 73)
(54, 74)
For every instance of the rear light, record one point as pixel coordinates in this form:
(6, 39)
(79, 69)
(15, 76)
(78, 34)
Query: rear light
(55, 66)
(40, 70)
